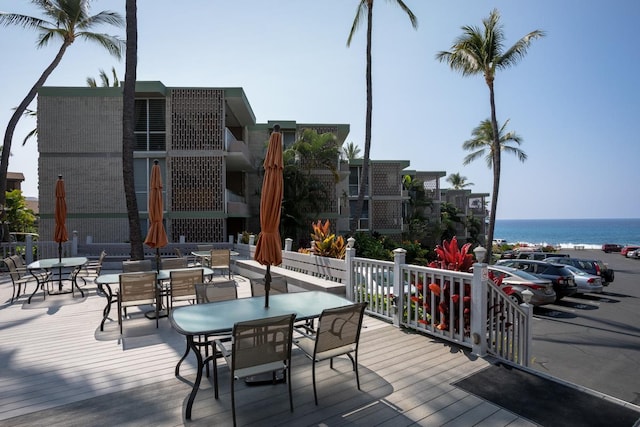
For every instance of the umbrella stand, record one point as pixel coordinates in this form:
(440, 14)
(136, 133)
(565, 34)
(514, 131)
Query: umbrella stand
(158, 260)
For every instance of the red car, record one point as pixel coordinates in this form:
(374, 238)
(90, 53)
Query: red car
(611, 247)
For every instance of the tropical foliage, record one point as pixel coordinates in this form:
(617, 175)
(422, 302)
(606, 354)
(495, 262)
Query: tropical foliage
(481, 52)
(66, 21)
(482, 143)
(305, 196)
(325, 243)
(104, 79)
(458, 182)
(351, 151)
(20, 217)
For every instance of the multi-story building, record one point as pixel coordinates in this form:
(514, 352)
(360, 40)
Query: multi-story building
(210, 150)
(468, 205)
(207, 141)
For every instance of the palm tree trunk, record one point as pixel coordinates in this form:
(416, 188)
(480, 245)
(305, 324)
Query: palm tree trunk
(11, 128)
(128, 128)
(496, 173)
(364, 173)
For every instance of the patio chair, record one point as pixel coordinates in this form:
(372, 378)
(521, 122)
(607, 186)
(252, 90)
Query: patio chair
(220, 259)
(191, 260)
(138, 288)
(91, 269)
(278, 286)
(206, 293)
(338, 334)
(169, 263)
(257, 346)
(138, 265)
(182, 286)
(20, 276)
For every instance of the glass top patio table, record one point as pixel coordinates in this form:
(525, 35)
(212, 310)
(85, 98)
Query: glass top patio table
(219, 317)
(48, 264)
(114, 278)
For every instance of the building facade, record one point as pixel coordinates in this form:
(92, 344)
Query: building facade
(206, 140)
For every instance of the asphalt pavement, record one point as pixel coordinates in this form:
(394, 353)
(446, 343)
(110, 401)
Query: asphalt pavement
(593, 340)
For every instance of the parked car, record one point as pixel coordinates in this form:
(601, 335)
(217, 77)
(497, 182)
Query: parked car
(624, 251)
(538, 255)
(586, 282)
(611, 247)
(562, 279)
(519, 281)
(591, 266)
(634, 254)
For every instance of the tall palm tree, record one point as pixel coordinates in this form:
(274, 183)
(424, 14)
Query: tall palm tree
(366, 7)
(481, 51)
(128, 128)
(104, 79)
(482, 143)
(65, 20)
(458, 181)
(351, 151)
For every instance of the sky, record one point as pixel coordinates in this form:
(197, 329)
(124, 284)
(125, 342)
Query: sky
(574, 98)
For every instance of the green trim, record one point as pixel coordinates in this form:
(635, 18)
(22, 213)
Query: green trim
(143, 88)
(196, 215)
(107, 215)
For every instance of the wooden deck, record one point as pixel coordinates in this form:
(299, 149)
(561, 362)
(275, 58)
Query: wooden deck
(59, 369)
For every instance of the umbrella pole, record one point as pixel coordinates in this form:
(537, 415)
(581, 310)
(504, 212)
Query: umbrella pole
(158, 260)
(60, 268)
(267, 285)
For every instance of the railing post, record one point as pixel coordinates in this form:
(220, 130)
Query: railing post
(74, 243)
(350, 254)
(479, 309)
(28, 249)
(399, 258)
(528, 309)
(288, 243)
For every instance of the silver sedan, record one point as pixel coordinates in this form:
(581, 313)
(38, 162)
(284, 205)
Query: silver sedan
(586, 282)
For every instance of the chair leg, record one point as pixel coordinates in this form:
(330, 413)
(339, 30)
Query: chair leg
(215, 377)
(120, 315)
(355, 363)
(313, 376)
(233, 399)
(287, 372)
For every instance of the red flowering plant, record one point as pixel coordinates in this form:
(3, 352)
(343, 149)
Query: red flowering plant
(452, 257)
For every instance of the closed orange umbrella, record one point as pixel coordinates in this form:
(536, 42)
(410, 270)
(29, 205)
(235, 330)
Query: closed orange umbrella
(269, 247)
(156, 236)
(60, 214)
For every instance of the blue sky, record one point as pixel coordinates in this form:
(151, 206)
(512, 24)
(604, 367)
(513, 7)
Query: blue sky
(574, 98)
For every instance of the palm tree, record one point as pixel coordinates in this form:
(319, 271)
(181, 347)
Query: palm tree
(351, 151)
(482, 143)
(481, 51)
(104, 79)
(66, 20)
(128, 128)
(458, 181)
(366, 6)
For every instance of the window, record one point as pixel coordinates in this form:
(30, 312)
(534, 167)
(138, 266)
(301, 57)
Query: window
(354, 181)
(150, 126)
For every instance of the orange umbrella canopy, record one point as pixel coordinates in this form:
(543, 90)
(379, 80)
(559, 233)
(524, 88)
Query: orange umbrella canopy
(157, 236)
(60, 213)
(269, 247)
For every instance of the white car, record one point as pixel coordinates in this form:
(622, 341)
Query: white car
(586, 282)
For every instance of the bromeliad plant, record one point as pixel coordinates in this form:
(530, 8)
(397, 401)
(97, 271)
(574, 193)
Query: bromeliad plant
(324, 243)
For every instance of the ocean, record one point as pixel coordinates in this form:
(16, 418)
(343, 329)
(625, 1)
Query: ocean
(566, 233)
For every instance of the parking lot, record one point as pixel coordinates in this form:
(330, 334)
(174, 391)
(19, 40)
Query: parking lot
(594, 339)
